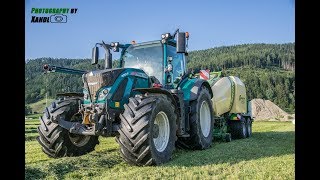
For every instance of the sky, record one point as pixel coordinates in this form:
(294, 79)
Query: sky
(210, 23)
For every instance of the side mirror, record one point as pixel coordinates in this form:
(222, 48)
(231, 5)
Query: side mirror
(108, 60)
(181, 42)
(95, 55)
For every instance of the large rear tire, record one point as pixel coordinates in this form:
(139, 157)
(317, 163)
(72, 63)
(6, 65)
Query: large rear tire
(57, 141)
(147, 131)
(202, 123)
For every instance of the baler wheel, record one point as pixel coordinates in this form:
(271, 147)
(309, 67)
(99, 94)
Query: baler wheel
(238, 128)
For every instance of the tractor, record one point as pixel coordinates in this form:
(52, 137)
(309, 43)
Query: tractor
(151, 103)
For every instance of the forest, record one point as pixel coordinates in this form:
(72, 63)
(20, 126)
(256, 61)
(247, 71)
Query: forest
(268, 71)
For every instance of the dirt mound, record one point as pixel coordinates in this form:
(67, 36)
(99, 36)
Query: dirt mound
(267, 110)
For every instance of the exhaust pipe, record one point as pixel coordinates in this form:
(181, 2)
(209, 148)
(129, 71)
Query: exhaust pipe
(108, 59)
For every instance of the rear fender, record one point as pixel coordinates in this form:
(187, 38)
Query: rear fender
(191, 88)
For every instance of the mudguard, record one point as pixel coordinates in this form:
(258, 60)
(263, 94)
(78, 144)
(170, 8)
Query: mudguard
(159, 91)
(191, 88)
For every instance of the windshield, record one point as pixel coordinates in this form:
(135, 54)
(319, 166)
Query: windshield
(146, 56)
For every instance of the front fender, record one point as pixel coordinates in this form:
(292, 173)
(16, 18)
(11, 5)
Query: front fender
(158, 91)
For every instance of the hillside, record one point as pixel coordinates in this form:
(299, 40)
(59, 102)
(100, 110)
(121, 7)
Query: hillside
(266, 69)
(255, 55)
(39, 106)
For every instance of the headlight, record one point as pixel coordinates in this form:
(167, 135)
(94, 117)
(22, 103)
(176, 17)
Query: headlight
(163, 36)
(103, 94)
(105, 91)
(86, 96)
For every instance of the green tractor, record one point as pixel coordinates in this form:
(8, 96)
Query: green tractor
(151, 103)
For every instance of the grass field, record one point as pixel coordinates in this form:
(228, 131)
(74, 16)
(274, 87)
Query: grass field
(39, 106)
(268, 154)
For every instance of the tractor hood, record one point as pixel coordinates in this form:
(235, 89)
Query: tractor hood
(100, 78)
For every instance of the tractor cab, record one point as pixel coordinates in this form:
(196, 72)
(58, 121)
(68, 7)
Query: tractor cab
(162, 60)
(159, 60)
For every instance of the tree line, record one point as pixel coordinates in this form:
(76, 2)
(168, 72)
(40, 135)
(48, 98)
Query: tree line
(255, 55)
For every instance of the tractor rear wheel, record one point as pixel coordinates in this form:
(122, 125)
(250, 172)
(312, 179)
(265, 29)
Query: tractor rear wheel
(147, 131)
(201, 123)
(238, 128)
(57, 141)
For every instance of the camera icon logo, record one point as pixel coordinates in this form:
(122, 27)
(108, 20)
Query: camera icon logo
(58, 18)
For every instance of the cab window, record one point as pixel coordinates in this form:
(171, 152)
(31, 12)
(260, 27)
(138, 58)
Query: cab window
(177, 61)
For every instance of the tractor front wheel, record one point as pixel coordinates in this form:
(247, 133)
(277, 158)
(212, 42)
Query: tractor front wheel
(57, 141)
(147, 131)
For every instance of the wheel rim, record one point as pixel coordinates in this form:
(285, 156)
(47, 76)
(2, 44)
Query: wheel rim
(79, 140)
(161, 131)
(205, 119)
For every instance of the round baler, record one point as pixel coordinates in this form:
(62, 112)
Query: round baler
(231, 108)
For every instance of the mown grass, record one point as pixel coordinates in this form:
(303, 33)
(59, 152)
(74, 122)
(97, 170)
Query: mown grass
(34, 116)
(268, 154)
(31, 129)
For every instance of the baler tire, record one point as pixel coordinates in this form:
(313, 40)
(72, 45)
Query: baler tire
(137, 130)
(228, 137)
(249, 127)
(56, 141)
(238, 128)
(197, 139)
